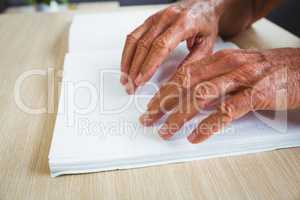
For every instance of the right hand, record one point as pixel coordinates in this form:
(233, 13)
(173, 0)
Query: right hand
(195, 21)
(237, 81)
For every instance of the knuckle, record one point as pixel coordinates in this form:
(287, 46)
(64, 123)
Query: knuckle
(248, 92)
(153, 31)
(234, 107)
(134, 68)
(249, 73)
(169, 11)
(232, 56)
(184, 13)
(143, 43)
(183, 22)
(206, 91)
(181, 74)
(201, 91)
(160, 43)
(131, 37)
(241, 77)
(150, 20)
(228, 109)
(224, 53)
(172, 10)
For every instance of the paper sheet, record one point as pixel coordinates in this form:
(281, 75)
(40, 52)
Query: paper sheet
(97, 124)
(98, 140)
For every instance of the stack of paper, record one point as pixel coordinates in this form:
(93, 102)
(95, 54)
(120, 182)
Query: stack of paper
(97, 126)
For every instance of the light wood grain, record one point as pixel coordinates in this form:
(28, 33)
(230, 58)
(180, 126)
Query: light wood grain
(39, 41)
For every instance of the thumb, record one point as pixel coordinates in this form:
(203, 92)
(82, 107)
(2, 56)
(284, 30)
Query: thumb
(199, 47)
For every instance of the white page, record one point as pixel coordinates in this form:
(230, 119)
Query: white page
(95, 45)
(106, 31)
(117, 141)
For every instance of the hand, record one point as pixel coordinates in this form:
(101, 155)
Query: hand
(253, 80)
(147, 46)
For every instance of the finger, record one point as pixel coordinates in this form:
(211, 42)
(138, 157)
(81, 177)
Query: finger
(183, 113)
(190, 106)
(162, 102)
(144, 44)
(130, 46)
(242, 77)
(190, 42)
(160, 49)
(232, 109)
(167, 97)
(221, 63)
(200, 48)
(209, 91)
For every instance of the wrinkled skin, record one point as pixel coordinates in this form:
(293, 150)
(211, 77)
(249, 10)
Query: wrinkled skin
(240, 81)
(196, 21)
(148, 45)
(237, 81)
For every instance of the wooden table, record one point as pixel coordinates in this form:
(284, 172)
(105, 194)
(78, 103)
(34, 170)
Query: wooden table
(39, 41)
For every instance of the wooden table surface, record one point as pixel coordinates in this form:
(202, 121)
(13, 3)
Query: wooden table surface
(39, 41)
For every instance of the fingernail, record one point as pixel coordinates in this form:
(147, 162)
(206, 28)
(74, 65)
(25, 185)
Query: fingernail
(138, 80)
(164, 132)
(123, 80)
(129, 89)
(196, 138)
(192, 137)
(129, 92)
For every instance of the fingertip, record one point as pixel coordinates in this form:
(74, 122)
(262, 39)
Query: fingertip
(197, 137)
(192, 138)
(138, 80)
(123, 80)
(129, 92)
(164, 132)
(145, 120)
(130, 89)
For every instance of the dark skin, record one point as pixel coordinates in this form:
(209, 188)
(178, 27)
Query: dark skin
(251, 78)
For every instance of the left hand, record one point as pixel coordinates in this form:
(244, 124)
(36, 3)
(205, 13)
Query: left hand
(195, 21)
(253, 79)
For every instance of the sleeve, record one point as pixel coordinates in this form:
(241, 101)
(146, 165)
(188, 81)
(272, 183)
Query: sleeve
(260, 8)
(244, 13)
